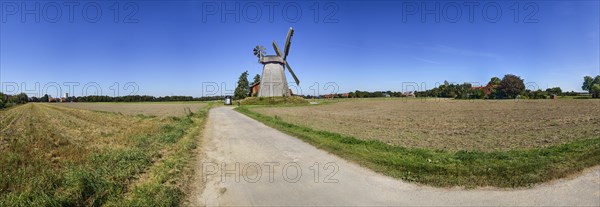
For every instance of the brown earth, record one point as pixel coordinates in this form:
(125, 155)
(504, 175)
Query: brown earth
(452, 124)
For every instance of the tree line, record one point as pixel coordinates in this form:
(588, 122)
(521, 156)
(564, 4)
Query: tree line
(8, 100)
(22, 98)
(509, 87)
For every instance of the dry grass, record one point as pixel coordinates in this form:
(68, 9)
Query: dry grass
(452, 125)
(60, 156)
(154, 108)
(52, 129)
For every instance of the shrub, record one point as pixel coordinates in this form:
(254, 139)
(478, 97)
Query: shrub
(9, 104)
(596, 91)
(511, 86)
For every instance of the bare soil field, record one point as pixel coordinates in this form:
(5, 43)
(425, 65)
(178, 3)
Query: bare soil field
(452, 124)
(154, 109)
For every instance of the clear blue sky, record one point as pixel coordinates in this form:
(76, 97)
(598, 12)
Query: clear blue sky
(175, 47)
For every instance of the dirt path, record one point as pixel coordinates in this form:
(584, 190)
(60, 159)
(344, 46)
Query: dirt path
(267, 175)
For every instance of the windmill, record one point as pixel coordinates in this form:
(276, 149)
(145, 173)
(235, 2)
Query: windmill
(273, 81)
(259, 51)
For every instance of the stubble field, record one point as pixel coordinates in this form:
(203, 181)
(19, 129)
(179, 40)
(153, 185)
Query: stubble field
(60, 156)
(451, 124)
(151, 108)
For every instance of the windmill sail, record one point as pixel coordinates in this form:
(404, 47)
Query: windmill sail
(288, 42)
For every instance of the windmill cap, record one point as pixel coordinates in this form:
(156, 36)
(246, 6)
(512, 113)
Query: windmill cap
(271, 59)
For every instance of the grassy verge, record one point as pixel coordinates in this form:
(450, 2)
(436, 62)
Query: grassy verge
(515, 168)
(56, 156)
(165, 183)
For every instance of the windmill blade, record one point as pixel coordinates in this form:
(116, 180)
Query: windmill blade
(292, 72)
(288, 42)
(256, 50)
(276, 48)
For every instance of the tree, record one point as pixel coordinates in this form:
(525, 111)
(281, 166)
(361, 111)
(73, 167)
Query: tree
(511, 86)
(22, 98)
(588, 82)
(44, 98)
(2, 100)
(556, 91)
(595, 91)
(243, 88)
(256, 79)
(539, 94)
(494, 81)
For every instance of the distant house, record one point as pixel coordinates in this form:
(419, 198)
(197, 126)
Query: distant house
(330, 96)
(254, 88)
(386, 95)
(409, 94)
(487, 90)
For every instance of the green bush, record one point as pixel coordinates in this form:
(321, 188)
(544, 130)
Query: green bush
(9, 104)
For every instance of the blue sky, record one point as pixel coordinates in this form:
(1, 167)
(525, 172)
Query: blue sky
(176, 47)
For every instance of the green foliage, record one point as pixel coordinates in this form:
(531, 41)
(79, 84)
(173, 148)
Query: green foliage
(556, 91)
(21, 98)
(451, 90)
(256, 79)
(494, 81)
(515, 168)
(596, 90)
(44, 98)
(2, 100)
(539, 94)
(367, 94)
(476, 94)
(243, 87)
(511, 86)
(589, 82)
(7, 101)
